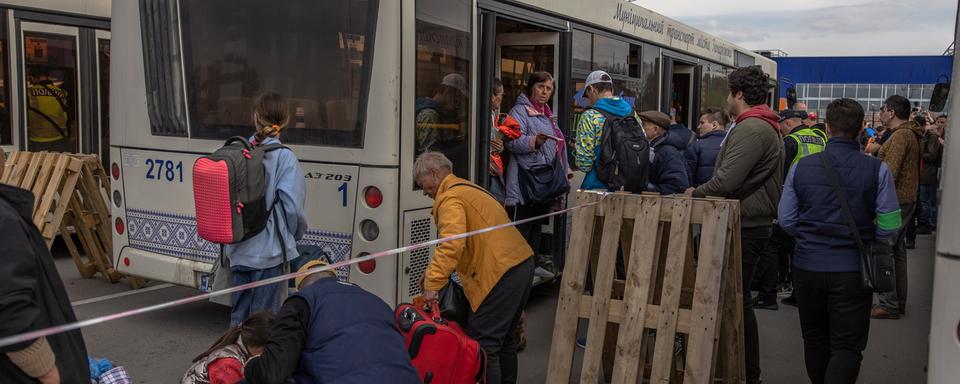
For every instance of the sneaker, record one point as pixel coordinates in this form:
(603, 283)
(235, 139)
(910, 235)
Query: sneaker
(543, 273)
(791, 301)
(879, 313)
(785, 290)
(582, 342)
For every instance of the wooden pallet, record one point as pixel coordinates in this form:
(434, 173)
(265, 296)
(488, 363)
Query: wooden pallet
(634, 324)
(71, 200)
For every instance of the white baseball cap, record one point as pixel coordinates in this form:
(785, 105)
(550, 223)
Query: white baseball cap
(598, 77)
(455, 81)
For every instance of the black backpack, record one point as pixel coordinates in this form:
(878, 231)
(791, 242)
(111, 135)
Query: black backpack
(624, 161)
(229, 191)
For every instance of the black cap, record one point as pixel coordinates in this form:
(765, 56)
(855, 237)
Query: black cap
(789, 114)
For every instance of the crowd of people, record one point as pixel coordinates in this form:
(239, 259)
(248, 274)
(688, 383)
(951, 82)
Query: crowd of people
(802, 187)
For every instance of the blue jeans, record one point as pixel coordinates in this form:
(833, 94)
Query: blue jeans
(928, 205)
(265, 298)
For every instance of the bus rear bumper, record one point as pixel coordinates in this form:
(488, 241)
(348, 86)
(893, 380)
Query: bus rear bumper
(154, 266)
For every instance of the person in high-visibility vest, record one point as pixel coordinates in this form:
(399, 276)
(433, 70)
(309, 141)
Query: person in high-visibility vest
(48, 111)
(799, 141)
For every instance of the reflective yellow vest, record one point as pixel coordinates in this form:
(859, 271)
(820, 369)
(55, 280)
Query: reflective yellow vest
(47, 118)
(809, 141)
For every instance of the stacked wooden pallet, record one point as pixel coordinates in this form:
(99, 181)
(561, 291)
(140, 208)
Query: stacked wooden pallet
(71, 200)
(670, 317)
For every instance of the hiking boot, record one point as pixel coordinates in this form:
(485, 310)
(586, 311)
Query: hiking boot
(878, 312)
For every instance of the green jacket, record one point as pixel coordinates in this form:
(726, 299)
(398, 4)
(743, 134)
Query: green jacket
(749, 168)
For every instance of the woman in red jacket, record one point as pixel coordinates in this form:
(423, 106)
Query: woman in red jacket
(223, 362)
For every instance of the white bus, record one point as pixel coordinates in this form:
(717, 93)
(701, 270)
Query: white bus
(54, 75)
(357, 73)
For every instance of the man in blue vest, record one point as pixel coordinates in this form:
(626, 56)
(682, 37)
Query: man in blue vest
(834, 304)
(799, 141)
(332, 332)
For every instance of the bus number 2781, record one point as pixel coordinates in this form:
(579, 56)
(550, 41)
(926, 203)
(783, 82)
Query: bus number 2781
(164, 170)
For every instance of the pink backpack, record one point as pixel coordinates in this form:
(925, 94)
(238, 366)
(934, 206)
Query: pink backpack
(229, 191)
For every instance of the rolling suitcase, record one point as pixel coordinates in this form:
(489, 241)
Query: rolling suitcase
(440, 350)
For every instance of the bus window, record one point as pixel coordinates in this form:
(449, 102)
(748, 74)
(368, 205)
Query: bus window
(312, 52)
(51, 91)
(162, 68)
(442, 108)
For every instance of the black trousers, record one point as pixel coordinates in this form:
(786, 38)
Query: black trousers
(530, 231)
(493, 324)
(753, 242)
(774, 266)
(835, 320)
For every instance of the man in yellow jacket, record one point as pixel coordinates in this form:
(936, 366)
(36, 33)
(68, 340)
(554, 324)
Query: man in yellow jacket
(496, 268)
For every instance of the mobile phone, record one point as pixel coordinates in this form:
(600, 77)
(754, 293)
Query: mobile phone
(871, 132)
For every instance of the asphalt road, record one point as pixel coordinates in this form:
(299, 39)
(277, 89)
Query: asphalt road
(158, 347)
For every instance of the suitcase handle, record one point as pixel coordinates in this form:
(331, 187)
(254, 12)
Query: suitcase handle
(435, 311)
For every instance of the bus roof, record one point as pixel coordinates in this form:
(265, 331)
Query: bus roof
(93, 8)
(644, 24)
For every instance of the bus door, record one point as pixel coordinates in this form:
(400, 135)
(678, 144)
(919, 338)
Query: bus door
(63, 87)
(681, 85)
(520, 50)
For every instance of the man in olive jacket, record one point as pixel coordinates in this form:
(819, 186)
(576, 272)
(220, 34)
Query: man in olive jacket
(750, 168)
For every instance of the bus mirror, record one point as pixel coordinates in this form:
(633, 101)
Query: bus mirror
(938, 100)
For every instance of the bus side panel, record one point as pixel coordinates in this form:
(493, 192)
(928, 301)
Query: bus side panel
(382, 280)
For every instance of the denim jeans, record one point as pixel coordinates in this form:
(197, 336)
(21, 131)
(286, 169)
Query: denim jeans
(928, 205)
(265, 298)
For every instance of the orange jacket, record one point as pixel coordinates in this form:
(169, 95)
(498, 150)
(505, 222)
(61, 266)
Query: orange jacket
(481, 260)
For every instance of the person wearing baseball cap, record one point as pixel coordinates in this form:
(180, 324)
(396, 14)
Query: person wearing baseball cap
(668, 171)
(597, 93)
(332, 332)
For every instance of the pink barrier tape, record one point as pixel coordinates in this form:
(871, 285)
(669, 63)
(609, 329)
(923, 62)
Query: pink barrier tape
(32, 335)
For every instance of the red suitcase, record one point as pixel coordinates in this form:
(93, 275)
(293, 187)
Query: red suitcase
(440, 350)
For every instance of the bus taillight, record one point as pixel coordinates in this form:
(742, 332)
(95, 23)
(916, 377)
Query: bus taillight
(367, 266)
(115, 170)
(120, 226)
(373, 197)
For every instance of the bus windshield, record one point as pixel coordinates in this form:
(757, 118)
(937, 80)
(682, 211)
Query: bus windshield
(312, 52)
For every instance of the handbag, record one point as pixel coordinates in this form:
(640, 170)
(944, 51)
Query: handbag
(453, 303)
(876, 258)
(543, 183)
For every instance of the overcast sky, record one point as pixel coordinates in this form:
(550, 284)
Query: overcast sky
(822, 27)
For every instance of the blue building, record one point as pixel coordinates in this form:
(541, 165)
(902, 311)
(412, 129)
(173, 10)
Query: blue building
(868, 79)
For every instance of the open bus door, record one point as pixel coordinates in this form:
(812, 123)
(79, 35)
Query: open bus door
(512, 50)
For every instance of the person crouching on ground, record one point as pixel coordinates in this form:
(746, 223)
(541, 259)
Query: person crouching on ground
(668, 170)
(332, 332)
(223, 362)
(496, 268)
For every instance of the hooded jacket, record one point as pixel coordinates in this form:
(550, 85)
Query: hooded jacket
(668, 170)
(750, 167)
(590, 135)
(32, 297)
(701, 156)
(901, 153)
(932, 156)
(523, 150)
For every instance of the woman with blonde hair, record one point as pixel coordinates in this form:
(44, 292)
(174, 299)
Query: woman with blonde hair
(264, 255)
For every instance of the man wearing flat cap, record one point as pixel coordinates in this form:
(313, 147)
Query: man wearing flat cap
(668, 171)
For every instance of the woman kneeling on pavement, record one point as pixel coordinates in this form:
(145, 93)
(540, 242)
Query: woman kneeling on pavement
(496, 267)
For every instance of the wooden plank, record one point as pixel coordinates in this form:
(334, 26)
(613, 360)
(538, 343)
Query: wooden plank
(602, 287)
(571, 289)
(87, 269)
(672, 283)
(666, 213)
(637, 292)
(730, 366)
(9, 168)
(32, 169)
(66, 194)
(46, 187)
(707, 291)
(16, 167)
(617, 313)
